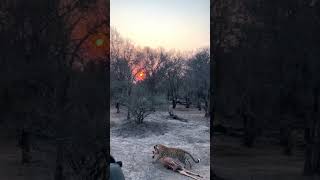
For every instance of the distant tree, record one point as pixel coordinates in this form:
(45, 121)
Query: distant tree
(142, 104)
(46, 63)
(198, 75)
(174, 76)
(312, 153)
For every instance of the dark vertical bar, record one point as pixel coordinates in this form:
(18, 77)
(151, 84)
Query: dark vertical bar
(211, 93)
(108, 66)
(213, 81)
(108, 88)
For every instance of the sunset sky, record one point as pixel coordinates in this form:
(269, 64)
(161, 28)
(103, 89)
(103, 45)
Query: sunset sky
(172, 24)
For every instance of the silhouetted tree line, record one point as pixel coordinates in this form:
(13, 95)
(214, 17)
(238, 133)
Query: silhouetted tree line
(50, 88)
(266, 62)
(168, 78)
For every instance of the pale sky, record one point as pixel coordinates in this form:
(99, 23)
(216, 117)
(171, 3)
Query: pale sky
(171, 24)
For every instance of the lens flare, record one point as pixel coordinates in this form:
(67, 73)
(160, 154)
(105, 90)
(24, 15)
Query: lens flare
(99, 42)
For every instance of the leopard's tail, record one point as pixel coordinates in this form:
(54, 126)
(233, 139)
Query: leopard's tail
(196, 161)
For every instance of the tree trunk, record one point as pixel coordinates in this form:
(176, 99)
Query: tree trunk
(312, 154)
(206, 106)
(249, 129)
(128, 114)
(199, 105)
(174, 103)
(25, 146)
(59, 163)
(286, 140)
(187, 102)
(129, 104)
(139, 119)
(312, 139)
(118, 107)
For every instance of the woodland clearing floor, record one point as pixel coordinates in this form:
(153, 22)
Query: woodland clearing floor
(11, 167)
(133, 144)
(233, 161)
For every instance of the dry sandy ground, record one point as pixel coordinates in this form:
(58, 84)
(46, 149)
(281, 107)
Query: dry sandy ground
(10, 162)
(233, 161)
(133, 144)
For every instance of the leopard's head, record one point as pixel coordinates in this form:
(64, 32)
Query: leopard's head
(157, 148)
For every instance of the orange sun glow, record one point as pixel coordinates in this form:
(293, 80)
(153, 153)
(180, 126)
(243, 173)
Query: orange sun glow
(140, 76)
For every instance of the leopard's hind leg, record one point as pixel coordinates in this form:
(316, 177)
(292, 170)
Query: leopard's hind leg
(189, 163)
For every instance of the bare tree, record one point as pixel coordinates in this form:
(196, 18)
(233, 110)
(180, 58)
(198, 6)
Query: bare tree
(46, 51)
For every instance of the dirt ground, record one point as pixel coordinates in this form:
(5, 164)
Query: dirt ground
(10, 162)
(133, 144)
(232, 161)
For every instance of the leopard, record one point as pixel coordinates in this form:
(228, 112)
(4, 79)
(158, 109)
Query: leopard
(177, 153)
